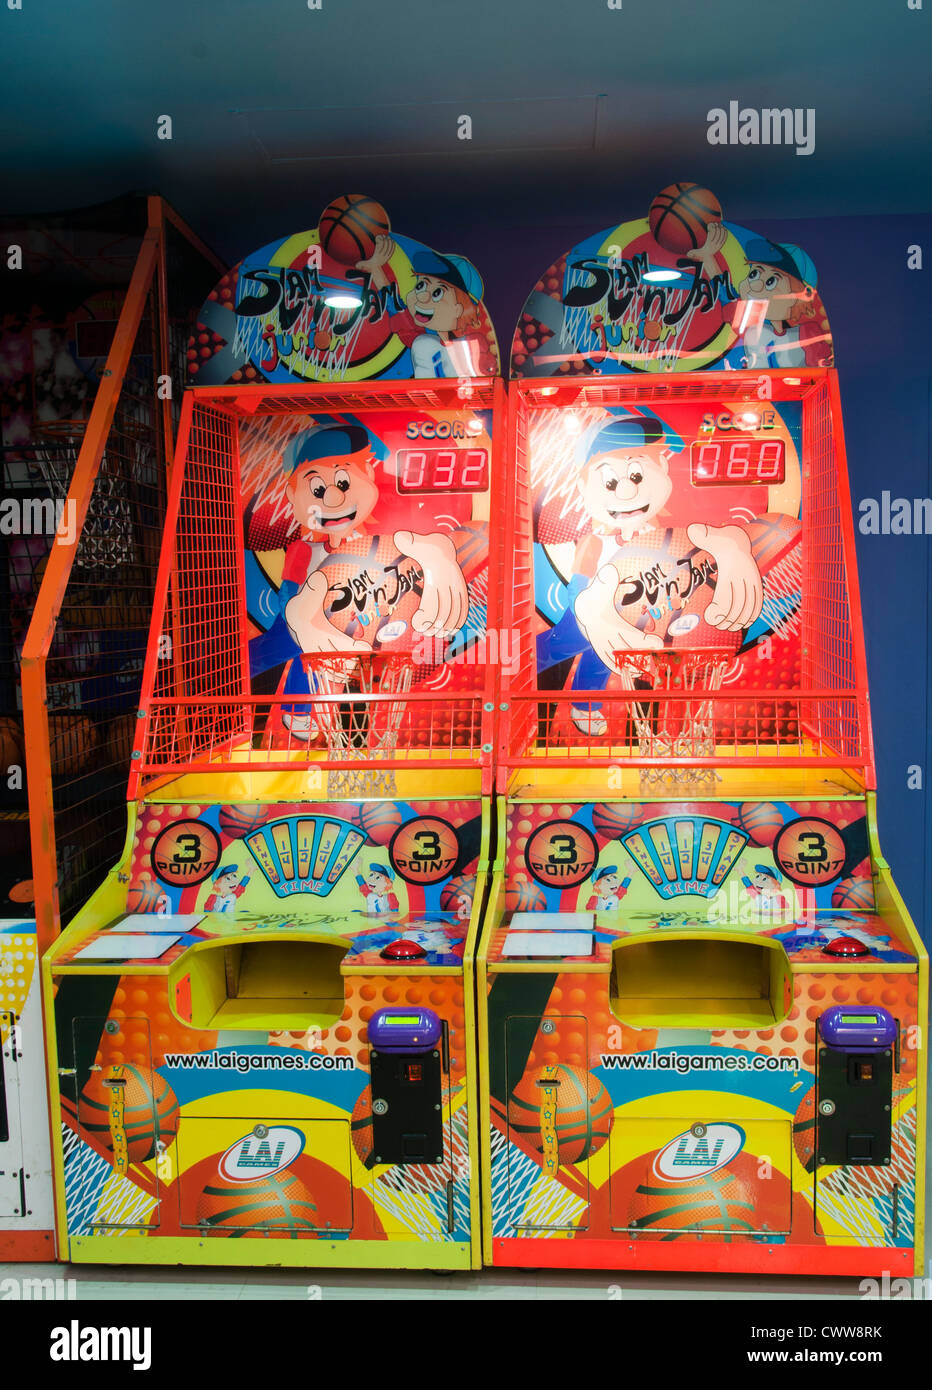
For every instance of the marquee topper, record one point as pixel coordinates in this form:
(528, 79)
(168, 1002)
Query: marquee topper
(679, 290)
(351, 300)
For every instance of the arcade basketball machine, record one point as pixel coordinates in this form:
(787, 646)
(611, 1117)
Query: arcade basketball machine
(702, 1001)
(263, 1020)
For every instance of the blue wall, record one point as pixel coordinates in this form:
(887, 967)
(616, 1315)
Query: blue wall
(880, 314)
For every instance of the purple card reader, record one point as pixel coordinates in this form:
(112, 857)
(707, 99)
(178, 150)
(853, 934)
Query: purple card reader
(404, 1030)
(850, 1029)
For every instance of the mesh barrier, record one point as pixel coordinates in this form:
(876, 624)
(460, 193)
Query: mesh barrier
(83, 656)
(95, 661)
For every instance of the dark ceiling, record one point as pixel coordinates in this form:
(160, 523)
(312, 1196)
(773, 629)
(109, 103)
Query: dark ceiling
(276, 107)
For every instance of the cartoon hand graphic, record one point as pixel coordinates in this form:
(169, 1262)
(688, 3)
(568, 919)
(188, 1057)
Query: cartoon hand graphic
(308, 623)
(444, 600)
(384, 250)
(715, 238)
(608, 632)
(739, 591)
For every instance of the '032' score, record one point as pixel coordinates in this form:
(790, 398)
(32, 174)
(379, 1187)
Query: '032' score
(443, 470)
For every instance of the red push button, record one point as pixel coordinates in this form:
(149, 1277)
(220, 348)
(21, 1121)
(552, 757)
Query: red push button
(845, 947)
(402, 950)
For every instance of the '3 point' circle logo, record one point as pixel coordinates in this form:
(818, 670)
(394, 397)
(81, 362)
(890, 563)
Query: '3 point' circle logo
(561, 854)
(810, 851)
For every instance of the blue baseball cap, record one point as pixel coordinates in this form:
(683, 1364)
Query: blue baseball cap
(456, 270)
(603, 873)
(224, 870)
(766, 869)
(792, 260)
(336, 442)
(381, 869)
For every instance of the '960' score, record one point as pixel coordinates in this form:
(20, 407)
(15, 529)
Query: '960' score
(443, 470)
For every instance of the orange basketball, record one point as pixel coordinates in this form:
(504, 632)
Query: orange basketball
(424, 850)
(773, 536)
(278, 1204)
(524, 896)
(146, 897)
(373, 593)
(454, 894)
(71, 740)
(361, 1128)
(380, 820)
(857, 893)
(11, 743)
(349, 226)
(730, 1204)
(804, 1130)
(237, 821)
(680, 214)
(610, 820)
(668, 585)
(562, 1107)
(149, 1109)
(761, 820)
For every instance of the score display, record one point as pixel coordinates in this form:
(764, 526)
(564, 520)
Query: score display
(739, 461)
(442, 470)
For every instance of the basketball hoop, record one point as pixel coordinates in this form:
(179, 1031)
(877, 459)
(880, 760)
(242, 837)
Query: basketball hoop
(107, 535)
(359, 733)
(684, 728)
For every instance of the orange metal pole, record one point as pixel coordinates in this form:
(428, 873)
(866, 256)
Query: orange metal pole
(52, 591)
(200, 246)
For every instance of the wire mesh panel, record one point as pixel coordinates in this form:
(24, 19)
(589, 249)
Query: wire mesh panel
(199, 650)
(828, 645)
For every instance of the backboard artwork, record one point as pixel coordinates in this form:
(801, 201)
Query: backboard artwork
(348, 300)
(366, 549)
(669, 530)
(678, 290)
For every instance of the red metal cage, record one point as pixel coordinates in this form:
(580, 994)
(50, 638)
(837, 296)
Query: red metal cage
(198, 709)
(821, 720)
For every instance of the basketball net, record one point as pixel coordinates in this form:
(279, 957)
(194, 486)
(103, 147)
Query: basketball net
(107, 534)
(359, 732)
(675, 728)
(862, 1199)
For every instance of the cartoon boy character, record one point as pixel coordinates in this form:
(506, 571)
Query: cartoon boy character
(624, 483)
(438, 315)
(784, 278)
(332, 492)
(610, 889)
(227, 888)
(764, 887)
(376, 888)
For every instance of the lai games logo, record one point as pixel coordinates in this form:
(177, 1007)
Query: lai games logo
(699, 1152)
(266, 1150)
